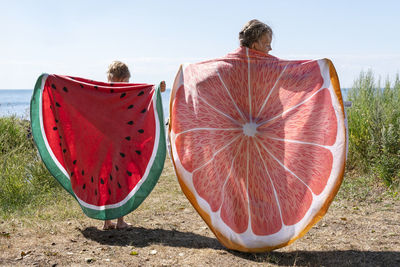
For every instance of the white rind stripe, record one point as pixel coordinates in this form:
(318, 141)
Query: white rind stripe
(209, 129)
(298, 142)
(249, 84)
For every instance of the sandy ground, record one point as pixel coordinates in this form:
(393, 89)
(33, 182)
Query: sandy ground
(167, 231)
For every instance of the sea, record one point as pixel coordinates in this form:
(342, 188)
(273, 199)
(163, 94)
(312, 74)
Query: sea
(16, 102)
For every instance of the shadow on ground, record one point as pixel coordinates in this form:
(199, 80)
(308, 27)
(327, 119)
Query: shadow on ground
(142, 237)
(326, 258)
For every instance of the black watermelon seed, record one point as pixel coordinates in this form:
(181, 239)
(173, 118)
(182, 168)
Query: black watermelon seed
(72, 173)
(101, 181)
(56, 121)
(128, 138)
(122, 155)
(109, 191)
(64, 150)
(119, 185)
(95, 192)
(116, 167)
(60, 137)
(74, 162)
(141, 131)
(130, 122)
(110, 177)
(53, 86)
(65, 89)
(54, 128)
(60, 144)
(138, 152)
(129, 173)
(83, 172)
(84, 186)
(131, 106)
(81, 85)
(58, 105)
(141, 93)
(111, 84)
(112, 90)
(122, 95)
(92, 179)
(51, 107)
(143, 111)
(95, 87)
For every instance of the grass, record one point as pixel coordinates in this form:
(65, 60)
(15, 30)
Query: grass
(25, 183)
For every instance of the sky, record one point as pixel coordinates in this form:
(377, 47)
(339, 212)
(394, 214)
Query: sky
(81, 38)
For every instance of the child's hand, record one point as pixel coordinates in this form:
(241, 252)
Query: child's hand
(162, 86)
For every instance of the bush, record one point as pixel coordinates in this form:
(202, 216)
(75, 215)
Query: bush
(24, 180)
(374, 128)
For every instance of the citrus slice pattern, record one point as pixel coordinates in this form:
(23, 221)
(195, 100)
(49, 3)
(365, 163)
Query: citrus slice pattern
(258, 145)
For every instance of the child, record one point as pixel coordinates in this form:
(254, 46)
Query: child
(256, 35)
(119, 72)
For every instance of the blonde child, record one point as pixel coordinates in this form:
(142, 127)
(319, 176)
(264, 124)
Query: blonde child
(119, 72)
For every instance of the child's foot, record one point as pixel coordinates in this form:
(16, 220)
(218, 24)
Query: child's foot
(123, 225)
(109, 225)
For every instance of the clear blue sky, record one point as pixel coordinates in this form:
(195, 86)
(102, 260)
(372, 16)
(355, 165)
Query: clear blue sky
(81, 38)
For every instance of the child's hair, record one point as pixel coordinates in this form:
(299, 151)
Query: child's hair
(252, 31)
(118, 71)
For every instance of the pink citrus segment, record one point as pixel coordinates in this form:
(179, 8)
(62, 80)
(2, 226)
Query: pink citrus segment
(296, 83)
(310, 163)
(197, 147)
(205, 116)
(314, 121)
(234, 210)
(217, 169)
(294, 196)
(264, 209)
(204, 77)
(264, 77)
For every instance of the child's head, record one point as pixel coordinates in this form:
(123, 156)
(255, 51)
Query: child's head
(256, 35)
(118, 72)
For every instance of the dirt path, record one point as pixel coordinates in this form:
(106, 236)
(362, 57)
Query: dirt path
(168, 232)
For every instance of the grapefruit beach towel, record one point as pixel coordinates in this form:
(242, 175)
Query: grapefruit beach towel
(258, 145)
(104, 142)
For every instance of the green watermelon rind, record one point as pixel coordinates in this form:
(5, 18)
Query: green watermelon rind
(36, 124)
(62, 177)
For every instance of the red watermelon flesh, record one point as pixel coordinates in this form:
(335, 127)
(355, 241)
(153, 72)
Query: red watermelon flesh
(105, 138)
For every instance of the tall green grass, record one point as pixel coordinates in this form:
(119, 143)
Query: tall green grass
(24, 180)
(374, 128)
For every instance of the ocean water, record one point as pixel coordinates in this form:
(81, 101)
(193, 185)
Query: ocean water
(16, 102)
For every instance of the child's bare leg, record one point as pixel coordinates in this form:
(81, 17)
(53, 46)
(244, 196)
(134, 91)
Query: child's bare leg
(108, 224)
(121, 224)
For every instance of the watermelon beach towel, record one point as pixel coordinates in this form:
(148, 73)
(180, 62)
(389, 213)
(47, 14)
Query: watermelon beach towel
(258, 144)
(104, 142)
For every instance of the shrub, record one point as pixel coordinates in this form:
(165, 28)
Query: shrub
(374, 128)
